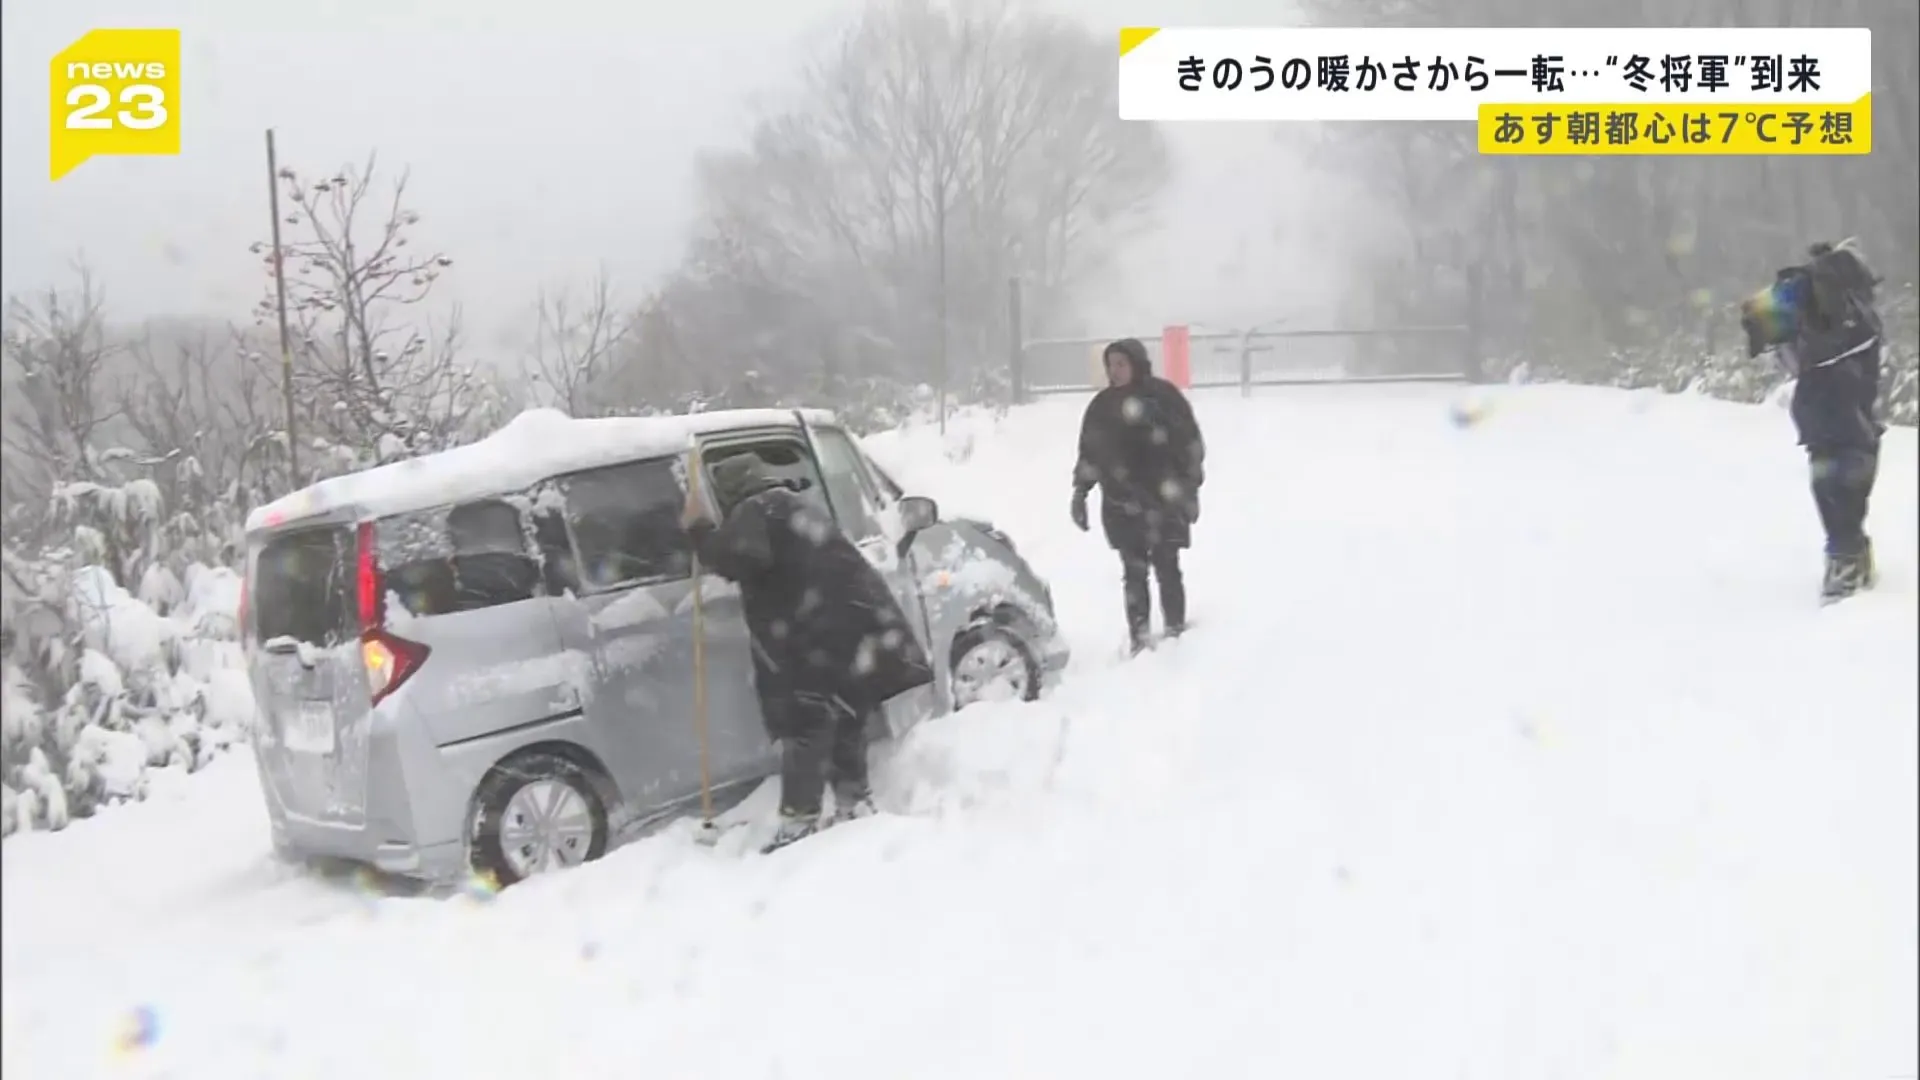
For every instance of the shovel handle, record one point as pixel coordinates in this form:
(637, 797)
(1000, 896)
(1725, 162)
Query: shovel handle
(695, 465)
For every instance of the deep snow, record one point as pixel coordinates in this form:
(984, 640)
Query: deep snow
(1518, 750)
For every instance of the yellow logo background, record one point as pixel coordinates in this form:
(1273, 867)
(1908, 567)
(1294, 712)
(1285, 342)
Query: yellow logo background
(114, 92)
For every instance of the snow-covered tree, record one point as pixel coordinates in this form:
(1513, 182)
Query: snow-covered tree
(1616, 268)
(375, 380)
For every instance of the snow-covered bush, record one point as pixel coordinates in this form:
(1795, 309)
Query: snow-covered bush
(100, 684)
(134, 455)
(1689, 362)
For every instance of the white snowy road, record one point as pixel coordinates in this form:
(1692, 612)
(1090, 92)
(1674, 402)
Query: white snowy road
(1520, 751)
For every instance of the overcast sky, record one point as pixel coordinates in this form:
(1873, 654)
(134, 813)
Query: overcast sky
(544, 138)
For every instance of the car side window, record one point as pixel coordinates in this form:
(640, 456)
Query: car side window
(548, 516)
(464, 557)
(856, 500)
(626, 525)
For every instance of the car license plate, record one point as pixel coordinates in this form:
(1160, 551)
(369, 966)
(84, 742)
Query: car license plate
(308, 729)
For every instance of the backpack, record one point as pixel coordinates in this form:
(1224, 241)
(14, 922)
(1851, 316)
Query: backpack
(1841, 286)
(1834, 288)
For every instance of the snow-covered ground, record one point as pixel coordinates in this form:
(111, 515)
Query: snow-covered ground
(1519, 750)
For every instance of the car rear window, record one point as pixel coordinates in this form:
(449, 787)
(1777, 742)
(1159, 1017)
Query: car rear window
(303, 587)
(473, 555)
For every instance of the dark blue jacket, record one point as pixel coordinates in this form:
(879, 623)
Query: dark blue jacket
(1835, 357)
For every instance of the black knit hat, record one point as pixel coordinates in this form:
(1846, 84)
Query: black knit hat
(1136, 355)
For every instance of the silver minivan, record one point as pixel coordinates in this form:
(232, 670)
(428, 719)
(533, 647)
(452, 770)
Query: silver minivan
(482, 661)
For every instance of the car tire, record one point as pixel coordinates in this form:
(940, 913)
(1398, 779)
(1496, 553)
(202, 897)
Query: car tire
(510, 841)
(1002, 651)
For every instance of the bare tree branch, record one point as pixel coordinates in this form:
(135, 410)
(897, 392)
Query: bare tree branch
(573, 345)
(872, 224)
(371, 381)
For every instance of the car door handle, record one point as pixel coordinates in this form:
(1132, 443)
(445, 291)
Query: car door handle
(875, 548)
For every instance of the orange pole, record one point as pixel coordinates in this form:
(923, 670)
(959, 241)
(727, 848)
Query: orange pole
(1175, 362)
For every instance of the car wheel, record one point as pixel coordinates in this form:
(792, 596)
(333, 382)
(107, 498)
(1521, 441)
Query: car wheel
(992, 663)
(533, 814)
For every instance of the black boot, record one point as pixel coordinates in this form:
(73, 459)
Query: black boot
(1846, 575)
(793, 828)
(851, 802)
(1842, 484)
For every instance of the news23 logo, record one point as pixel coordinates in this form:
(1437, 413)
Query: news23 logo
(114, 92)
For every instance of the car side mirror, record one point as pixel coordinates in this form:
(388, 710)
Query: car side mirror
(918, 513)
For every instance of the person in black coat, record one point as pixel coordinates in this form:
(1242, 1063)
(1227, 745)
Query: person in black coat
(830, 642)
(1823, 327)
(1141, 446)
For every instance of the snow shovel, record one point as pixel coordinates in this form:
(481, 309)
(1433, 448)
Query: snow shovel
(710, 831)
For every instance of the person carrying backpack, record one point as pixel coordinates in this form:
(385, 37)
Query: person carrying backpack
(1819, 320)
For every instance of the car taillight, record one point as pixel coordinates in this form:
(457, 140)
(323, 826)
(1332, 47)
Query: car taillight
(389, 660)
(367, 579)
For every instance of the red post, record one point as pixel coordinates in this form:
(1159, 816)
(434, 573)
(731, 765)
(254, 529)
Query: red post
(1175, 364)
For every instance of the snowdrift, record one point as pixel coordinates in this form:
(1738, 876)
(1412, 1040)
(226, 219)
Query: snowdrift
(1508, 750)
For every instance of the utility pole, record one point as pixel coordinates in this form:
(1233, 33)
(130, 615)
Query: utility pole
(280, 289)
(940, 246)
(1016, 346)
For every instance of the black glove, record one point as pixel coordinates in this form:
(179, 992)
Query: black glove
(1078, 511)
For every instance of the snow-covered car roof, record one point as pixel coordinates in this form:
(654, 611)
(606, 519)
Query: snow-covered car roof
(533, 446)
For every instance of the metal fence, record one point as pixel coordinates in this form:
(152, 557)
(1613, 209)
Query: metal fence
(1070, 365)
(1290, 357)
(1281, 356)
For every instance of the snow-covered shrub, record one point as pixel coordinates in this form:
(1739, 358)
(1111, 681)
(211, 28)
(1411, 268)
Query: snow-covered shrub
(1900, 358)
(101, 684)
(135, 454)
(1688, 362)
(870, 404)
